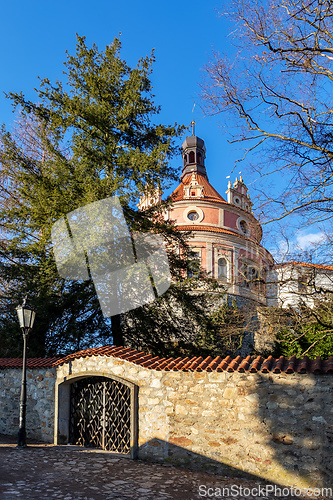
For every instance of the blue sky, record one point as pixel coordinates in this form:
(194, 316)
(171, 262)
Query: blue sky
(35, 35)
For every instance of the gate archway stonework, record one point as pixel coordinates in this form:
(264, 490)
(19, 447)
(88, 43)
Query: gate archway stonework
(101, 416)
(149, 406)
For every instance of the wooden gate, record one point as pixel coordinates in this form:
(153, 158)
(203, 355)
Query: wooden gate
(102, 415)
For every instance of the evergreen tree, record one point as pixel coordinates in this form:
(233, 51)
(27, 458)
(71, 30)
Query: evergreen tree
(224, 332)
(88, 138)
(191, 319)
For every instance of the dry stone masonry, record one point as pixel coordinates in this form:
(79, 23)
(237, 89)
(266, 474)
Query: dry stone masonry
(276, 426)
(40, 398)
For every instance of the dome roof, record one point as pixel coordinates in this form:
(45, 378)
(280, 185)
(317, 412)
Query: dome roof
(193, 141)
(208, 192)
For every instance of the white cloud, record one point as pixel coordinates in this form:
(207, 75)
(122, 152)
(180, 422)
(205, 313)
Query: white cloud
(300, 242)
(306, 241)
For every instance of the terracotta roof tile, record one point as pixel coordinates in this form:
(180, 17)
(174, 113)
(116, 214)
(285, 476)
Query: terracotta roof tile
(31, 362)
(213, 366)
(209, 193)
(329, 365)
(139, 358)
(224, 364)
(291, 368)
(211, 229)
(172, 365)
(181, 363)
(156, 364)
(256, 363)
(150, 362)
(164, 364)
(197, 363)
(208, 367)
(279, 365)
(267, 364)
(303, 365)
(233, 365)
(303, 264)
(188, 363)
(317, 365)
(244, 365)
(204, 364)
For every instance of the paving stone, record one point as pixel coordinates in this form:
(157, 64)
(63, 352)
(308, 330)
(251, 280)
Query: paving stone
(43, 472)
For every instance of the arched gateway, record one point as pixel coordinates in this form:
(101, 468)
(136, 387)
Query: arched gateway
(98, 412)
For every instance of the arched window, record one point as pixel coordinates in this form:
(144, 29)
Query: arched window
(191, 157)
(199, 158)
(252, 273)
(251, 277)
(193, 270)
(185, 160)
(244, 227)
(222, 269)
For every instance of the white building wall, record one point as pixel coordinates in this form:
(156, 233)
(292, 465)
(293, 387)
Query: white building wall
(291, 284)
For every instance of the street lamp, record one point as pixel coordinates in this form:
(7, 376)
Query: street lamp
(26, 315)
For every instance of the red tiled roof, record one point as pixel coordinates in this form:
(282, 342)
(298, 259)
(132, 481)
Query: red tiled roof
(212, 229)
(304, 264)
(209, 193)
(31, 362)
(252, 364)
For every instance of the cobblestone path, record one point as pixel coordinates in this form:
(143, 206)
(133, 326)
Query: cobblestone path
(47, 472)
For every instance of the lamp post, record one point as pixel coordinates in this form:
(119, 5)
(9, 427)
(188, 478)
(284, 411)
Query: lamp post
(26, 315)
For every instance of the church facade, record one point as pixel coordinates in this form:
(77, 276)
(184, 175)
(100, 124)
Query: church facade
(225, 238)
(225, 235)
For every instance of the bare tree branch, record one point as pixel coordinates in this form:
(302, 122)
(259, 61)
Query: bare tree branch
(278, 90)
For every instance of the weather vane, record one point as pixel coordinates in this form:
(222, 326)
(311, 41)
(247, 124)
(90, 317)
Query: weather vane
(193, 125)
(193, 122)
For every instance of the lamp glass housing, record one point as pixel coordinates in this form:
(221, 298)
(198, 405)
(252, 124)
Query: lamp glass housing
(26, 315)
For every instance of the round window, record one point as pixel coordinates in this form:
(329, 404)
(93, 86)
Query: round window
(193, 216)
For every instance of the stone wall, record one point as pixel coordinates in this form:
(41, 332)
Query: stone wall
(275, 426)
(40, 402)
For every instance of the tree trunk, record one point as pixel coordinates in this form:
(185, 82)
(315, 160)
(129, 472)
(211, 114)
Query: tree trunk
(117, 335)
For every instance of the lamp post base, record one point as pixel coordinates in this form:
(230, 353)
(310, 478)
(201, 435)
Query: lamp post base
(21, 439)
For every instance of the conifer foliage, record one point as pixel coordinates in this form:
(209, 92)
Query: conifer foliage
(88, 137)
